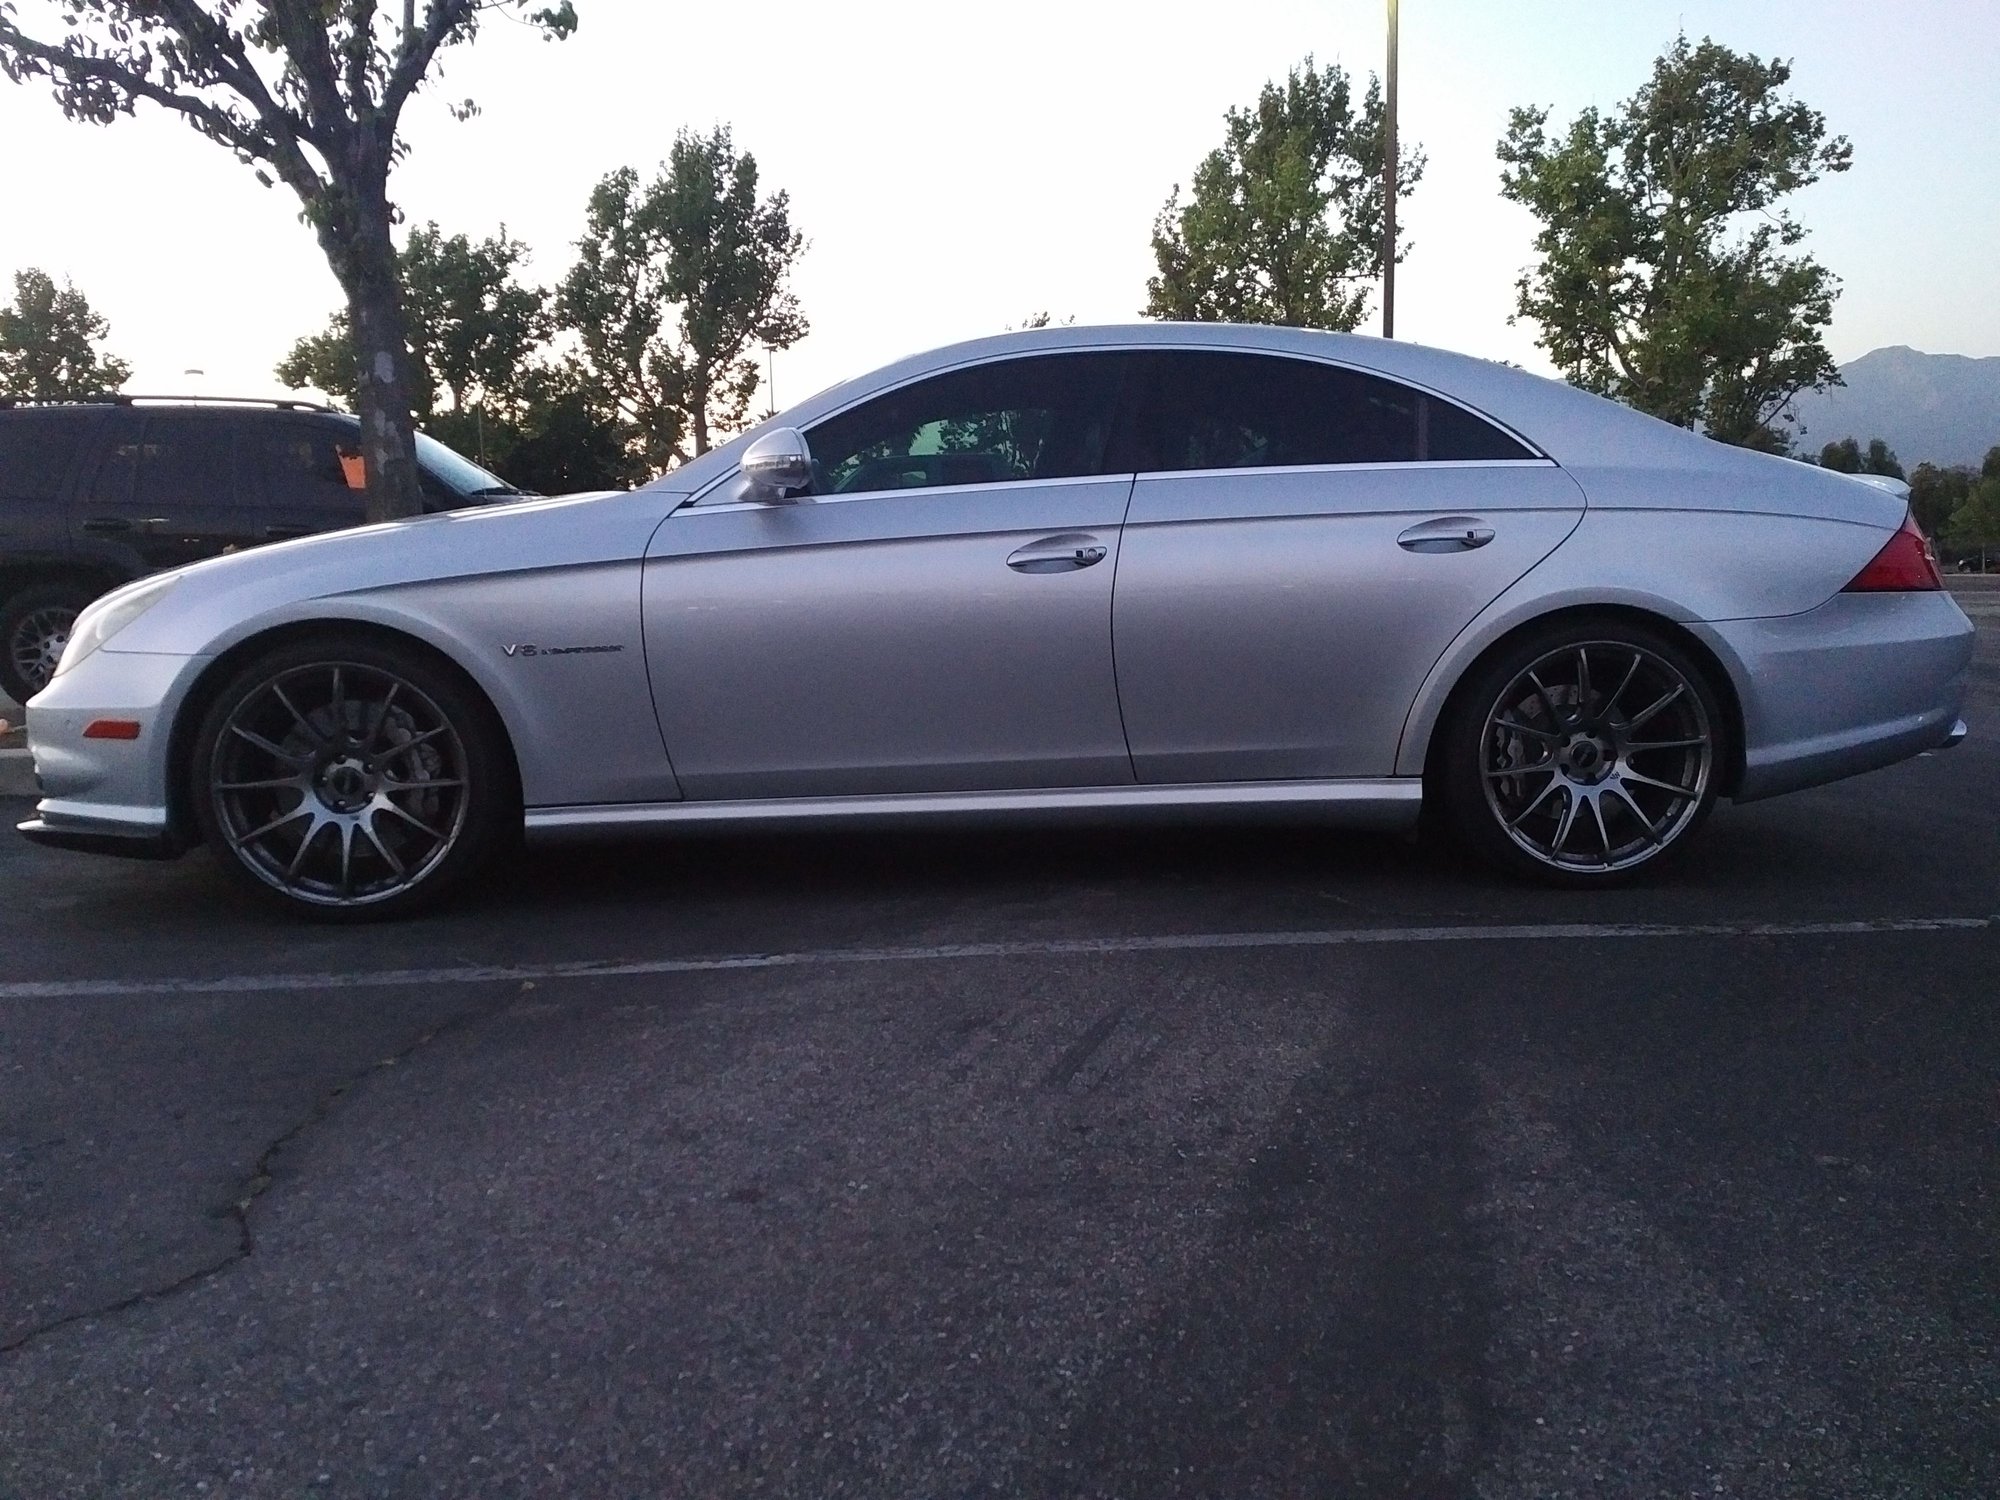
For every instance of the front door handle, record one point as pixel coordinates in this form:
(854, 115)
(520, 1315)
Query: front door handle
(1059, 554)
(1446, 534)
(106, 525)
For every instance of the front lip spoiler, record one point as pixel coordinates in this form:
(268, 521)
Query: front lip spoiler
(160, 845)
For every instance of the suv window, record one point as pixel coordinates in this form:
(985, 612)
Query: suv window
(186, 459)
(1043, 417)
(1223, 410)
(309, 464)
(35, 452)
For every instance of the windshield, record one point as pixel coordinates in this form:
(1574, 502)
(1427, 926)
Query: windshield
(458, 473)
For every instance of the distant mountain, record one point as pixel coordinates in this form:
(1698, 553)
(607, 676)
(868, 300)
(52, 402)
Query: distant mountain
(1937, 408)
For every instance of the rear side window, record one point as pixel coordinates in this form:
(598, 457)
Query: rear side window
(1042, 417)
(308, 464)
(36, 448)
(186, 459)
(1242, 411)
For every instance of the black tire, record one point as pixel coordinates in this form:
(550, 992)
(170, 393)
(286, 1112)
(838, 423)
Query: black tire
(34, 626)
(1531, 784)
(385, 745)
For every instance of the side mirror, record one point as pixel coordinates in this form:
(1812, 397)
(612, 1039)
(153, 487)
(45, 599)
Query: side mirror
(776, 463)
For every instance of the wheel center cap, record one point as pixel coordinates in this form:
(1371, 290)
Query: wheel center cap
(1587, 759)
(345, 785)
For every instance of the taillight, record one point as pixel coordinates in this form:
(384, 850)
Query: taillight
(1906, 563)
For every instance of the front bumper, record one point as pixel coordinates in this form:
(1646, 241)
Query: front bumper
(108, 796)
(1861, 682)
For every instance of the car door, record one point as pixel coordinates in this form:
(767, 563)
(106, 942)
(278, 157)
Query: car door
(935, 616)
(1303, 542)
(165, 489)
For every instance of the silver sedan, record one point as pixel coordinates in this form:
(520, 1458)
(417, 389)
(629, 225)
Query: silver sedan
(1099, 572)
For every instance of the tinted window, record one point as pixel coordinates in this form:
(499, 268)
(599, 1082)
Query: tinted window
(186, 459)
(118, 462)
(308, 464)
(1236, 411)
(1047, 417)
(35, 452)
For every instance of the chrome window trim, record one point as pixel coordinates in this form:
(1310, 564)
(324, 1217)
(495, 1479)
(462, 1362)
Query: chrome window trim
(727, 506)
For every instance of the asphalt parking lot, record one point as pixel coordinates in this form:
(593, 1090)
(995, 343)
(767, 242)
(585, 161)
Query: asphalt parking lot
(1242, 1162)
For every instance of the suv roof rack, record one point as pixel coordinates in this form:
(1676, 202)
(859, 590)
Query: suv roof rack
(122, 398)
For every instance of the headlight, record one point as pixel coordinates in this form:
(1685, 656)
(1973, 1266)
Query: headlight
(111, 614)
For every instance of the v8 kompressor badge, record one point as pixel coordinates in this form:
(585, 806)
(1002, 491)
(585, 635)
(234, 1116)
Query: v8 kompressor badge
(530, 650)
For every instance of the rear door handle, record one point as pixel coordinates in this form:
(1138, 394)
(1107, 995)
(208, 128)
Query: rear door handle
(1064, 553)
(1446, 534)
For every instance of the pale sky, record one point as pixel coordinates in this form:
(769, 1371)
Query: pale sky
(957, 167)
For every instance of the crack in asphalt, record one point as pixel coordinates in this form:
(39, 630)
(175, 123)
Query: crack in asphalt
(259, 1180)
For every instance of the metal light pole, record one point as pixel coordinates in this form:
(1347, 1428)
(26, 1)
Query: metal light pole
(1389, 189)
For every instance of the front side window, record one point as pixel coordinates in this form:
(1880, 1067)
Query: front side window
(1044, 417)
(309, 464)
(1219, 410)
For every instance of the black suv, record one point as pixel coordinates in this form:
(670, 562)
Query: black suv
(95, 493)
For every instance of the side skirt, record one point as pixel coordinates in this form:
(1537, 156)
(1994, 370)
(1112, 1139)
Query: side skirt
(1386, 802)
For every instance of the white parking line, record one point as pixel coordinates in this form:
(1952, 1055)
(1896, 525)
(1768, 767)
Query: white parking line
(227, 984)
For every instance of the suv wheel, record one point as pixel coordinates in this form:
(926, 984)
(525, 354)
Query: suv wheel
(34, 628)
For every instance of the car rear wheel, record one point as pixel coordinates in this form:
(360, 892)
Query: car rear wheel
(34, 627)
(1583, 754)
(350, 779)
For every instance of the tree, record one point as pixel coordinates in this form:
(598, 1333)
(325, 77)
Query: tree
(1283, 222)
(675, 285)
(1662, 277)
(473, 327)
(1935, 493)
(1847, 457)
(48, 343)
(311, 91)
(1975, 525)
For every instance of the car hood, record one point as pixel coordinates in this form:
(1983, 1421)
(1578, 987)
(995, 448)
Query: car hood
(521, 536)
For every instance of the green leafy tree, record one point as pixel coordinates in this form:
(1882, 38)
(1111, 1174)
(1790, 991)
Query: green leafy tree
(1664, 277)
(309, 91)
(1935, 493)
(474, 327)
(1975, 524)
(49, 343)
(676, 285)
(1283, 221)
(1847, 457)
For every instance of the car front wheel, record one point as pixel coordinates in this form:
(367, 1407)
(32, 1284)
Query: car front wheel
(349, 778)
(1583, 753)
(34, 627)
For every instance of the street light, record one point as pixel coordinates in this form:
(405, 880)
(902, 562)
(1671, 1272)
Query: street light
(1389, 189)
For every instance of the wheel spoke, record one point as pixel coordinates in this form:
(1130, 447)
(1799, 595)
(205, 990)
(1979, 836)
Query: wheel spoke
(1540, 768)
(299, 854)
(1513, 726)
(268, 747)
(1540, 797)
(1582, 679)
(237, 841)
(303, 722)
(381, 847)
(339, 703)
(346, 857)
(1627, 774)
(1570, 801)
(412, 819)
(1548, 704)
(1617, 790)
(1635, 747)
(1624, 682)
(381, 716)
(1659, 703)
(256, 786)
(1604, 833)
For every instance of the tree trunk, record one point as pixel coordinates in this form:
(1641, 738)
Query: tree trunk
(363, 256)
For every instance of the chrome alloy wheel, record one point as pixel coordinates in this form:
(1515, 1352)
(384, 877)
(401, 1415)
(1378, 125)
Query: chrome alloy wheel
(339, 784)
(36, 643)
(1597, 756)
